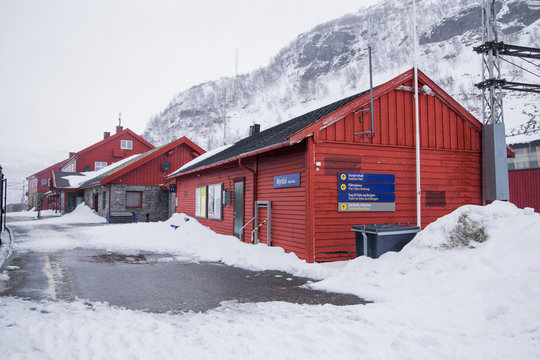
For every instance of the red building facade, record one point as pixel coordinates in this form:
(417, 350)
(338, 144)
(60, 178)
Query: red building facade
(111, 149)
(137, 185)
(294, 170)
(40, 184)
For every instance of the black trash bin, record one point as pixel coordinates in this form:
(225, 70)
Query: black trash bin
(381, 238)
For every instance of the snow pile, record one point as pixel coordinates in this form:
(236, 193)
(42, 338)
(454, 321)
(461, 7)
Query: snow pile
(81, 215)
(76, 180)
(436, 299)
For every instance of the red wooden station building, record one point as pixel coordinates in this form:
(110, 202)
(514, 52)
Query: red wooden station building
(312, 178)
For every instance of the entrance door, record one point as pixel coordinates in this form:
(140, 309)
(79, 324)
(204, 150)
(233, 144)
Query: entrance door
(238, 208)
(96, 202)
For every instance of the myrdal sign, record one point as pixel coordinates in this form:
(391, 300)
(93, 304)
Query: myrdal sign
(366, 192)
(287, 181)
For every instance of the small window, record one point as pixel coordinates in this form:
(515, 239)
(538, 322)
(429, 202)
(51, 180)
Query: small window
(435, 199)
(133, 199)
(214, 201)
(200, 202)
(98, 165)
(126, 144)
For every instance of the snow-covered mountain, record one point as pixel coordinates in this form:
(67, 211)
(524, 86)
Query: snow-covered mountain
(330, 62)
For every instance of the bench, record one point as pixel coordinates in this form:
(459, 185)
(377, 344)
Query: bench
(121, 217)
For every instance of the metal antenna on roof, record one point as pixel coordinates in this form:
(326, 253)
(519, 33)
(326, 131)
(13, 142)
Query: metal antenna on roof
(371, 133)
(224, 114)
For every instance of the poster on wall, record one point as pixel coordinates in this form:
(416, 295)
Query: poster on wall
(214, 201)
(366, 192)
(200, 202)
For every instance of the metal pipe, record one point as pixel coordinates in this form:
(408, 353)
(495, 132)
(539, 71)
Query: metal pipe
(417, 124)
(371, 91)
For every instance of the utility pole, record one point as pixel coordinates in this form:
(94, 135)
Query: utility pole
(494, 165)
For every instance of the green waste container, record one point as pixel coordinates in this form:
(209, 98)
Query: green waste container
(376, 239)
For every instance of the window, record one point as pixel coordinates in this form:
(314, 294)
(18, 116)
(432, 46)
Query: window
(126, 144)
(133, 199)
(98, 165)
(435, 199)
(214, 201)
(200, 202)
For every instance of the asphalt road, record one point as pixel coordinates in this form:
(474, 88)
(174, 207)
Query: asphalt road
(150, 282)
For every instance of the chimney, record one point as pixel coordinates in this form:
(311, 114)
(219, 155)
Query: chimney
(254, 129)
(71, 154)
(119, 128)
(106, 134)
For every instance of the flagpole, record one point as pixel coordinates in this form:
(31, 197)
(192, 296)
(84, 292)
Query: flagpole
(417, 123)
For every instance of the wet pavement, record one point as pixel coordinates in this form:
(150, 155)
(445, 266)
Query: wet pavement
(152, 282)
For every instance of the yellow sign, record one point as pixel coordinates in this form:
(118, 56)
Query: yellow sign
(343, 186)
(343, 177)
(343, 207)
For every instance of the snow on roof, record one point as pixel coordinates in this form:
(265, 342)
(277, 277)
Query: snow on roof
(74, 180)
(200, 158)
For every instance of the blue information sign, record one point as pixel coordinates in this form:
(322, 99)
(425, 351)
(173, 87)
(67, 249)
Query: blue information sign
(367, 187)
(366, 192)
(363, 177)
(172, 188)
(358, 196)
(287, 181)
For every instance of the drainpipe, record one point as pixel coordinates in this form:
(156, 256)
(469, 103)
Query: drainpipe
(254, 185)
(109, 186)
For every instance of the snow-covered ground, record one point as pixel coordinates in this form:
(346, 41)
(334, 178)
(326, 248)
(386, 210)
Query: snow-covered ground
(431, 300)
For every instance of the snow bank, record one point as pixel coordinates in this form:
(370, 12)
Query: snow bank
(81, 215)
(479, 300)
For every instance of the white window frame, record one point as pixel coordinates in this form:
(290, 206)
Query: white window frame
(98, 165)
(126, 144)
(214, 201)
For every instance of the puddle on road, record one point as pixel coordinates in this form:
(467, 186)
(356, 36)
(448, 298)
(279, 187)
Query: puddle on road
(158, 283)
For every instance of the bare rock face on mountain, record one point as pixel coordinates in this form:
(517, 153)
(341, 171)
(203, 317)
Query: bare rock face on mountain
(330, 62)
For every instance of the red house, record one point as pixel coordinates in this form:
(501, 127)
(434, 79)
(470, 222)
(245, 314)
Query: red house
(111, 149)
(524, 175)
(136, 185)
(123, 144)
(304, 183)
(39, 185)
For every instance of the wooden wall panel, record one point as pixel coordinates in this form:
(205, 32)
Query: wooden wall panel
(458, 174)
(440, 126)
(152, 173)
(105, 152)
(525, 188)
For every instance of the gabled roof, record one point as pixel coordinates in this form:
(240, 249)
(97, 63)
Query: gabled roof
(49, 169)
(61, 179)
(136, 161)
(297, 129)
(109, 139)
(271, 137)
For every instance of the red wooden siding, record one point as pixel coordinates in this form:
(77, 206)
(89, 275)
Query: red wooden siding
(151, 173)
(525, 188)
(288, 204)
(450, 165)
(458, 174)
(106, 151)
(226, 175)
(440, 126)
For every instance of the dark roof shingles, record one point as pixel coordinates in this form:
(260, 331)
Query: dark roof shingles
(272, 136)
